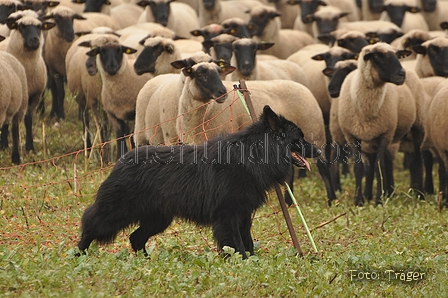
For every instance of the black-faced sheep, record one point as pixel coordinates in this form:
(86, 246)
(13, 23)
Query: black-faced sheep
(432, 58)
(265, 28)
(404, 14)
(120, 87)
(434, 12)
(375, 114)
(26, 43)
(13, 101)
(216, 11)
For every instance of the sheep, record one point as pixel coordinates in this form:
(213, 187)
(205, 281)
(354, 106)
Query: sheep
(265, 28)
(288, 98)
(437, 131)
(432, 58)
(375, 115)
(248, 68)
(288, 12)
(156, 57)
(308, 8)
(26, 45)
(354, 41)
(236, 27)
(220, 47)
(404, 15)
(409, 40)
(371, 9)
(326, 20)
(216, 11)
(57, 43)
(120, 87)
(102, 6)
(6, 8)
(378, 26)
(434, 12)
(84, 82)
(13, 101)
(126, 14)
(179, 17)
(157, 105)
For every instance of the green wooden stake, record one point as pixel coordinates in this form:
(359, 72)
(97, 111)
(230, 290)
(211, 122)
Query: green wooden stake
(301, 217)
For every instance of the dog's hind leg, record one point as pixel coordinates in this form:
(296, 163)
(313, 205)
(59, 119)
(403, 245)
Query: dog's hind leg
(227, 232)
(245, 225)
(148, 227)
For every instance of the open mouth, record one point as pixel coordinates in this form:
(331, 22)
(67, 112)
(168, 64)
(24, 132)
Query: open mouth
(299, 161)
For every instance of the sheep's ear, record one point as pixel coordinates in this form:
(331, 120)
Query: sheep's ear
(79, 17)
(93, 52)
(128, 50)
(207, 44)
(188, 72)
(143, 3)
(294, 2)
(271, 118)
(79, 1)
(328, 71)
(444, 25)
(264, 45)
(225, 67)
(412, 9)
(47, 16)
(343, 14)
(419, 49)
(2, 38)
(179, 64)
(87, 44)
(47, 25)
(53, 3)
(322, 3)
(197, 32)
(319, 57)
(142, 42)
(403, 53)
(368, 56)
(11, 23)
(169, 48)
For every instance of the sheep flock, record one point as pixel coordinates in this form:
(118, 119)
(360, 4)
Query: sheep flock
(364, 80)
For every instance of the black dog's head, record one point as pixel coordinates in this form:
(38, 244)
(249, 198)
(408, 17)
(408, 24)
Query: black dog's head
(292, 137)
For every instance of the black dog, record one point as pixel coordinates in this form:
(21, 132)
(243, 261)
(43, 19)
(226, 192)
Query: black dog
(219, 183)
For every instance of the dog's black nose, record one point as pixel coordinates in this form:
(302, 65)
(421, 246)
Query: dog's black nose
(319, 152)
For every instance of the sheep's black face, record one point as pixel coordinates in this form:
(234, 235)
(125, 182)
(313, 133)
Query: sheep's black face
(339, 75)
(429, 5)
(396, 12)
(326, 26)
(309, 8)
(95, 5)
(223, 51)
(31, 36)
(353, 44)
(209, 4)
(388, 67)
(111, 57)
(146, 61)
(65, 26)
(257, 23)
(376, 6)
(245, 57)
(5, 11)
(238, 30)
(438, 57)
(161, 12)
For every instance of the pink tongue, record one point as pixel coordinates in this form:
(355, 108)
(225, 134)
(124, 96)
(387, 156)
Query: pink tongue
(299, 157)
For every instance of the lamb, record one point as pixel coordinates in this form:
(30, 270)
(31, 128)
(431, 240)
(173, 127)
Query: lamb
(432, 58)
(13, 101)
(200, 119)
(265, 28)
(26, 45)
(216, 11)
(120, 87)
(57, 43)
(248, 68)
(437, 132)
(435, 12)
(157, 105)
(375, 115)
(156, 57)
(404, 15)
(179, 17)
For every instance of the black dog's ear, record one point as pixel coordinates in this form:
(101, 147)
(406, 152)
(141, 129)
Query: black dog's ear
(271, 117)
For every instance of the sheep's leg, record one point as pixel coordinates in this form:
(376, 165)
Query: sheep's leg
(15, 157)
(335, 160)
(58, 94)
(369, 171)
(245, 225)
(359, 175)
(148, 228)
(417, 163)
(29, 131)
(4, 136)
(389, 173)
(324, 172)
(443, 177)
(381, 170)
(227, 231)
(428, 161)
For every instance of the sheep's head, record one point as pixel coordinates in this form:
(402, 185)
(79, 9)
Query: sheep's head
(206, 82)
(160, 10)
(245, 50)
(208, 31)
(63, 18)
(260, 16)
(396, 12)
(436, 50)
(93, 5)
(111, 56)
(327, 19)
(384, 63)
(429, 5)
(236, 27)
(153, 48)
(222, 45)
(307, 8)
(30, 28)
(334, 55)
(338, 75)
(8, 7)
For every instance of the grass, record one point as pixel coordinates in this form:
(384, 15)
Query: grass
(42, 203)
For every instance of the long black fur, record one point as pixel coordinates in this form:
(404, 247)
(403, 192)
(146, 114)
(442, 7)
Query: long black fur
(219, 183)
